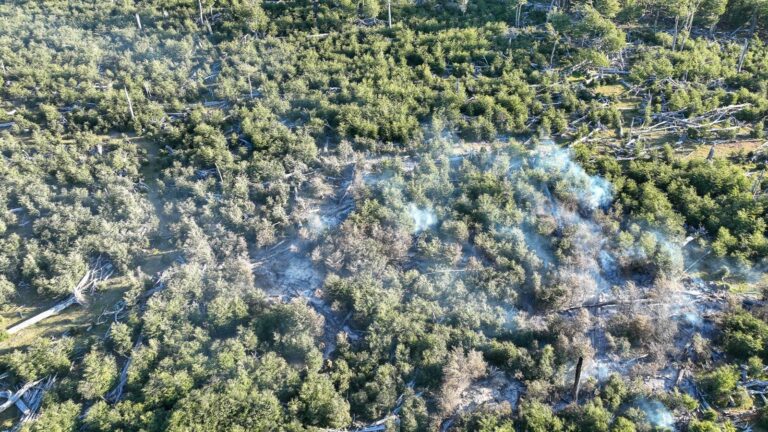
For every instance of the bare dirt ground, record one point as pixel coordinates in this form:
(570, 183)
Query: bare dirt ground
(692, 308)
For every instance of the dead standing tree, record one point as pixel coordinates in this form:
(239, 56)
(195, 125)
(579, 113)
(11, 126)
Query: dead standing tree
(577, 380)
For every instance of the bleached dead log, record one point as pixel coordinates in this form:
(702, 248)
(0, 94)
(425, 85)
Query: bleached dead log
(701, 397)
(130, 104)
(32, 400)
(113, 313)
(612, 71)
(15, 397)
(755, 383)
(55, 309)
(348, 188)
(159, 286)
(377, 426)
(380, 425)
(217, 103)
(90, 278)
(461, 270)
(43, 315)
(115, 394)
(743, 55)
(680, 375)
(676, 119)
(646, 301)
(584, 138)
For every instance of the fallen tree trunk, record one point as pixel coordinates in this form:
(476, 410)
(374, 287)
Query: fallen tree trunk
(756, 383)
(32, 401)
(16, 396)
(606, 304)
(52, 311)
(100, 272)
(41, 316)
(377, 426)
(117, 393)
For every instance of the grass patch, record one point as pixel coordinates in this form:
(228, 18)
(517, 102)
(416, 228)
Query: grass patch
(76, 320)
(724, 149)
(609, 90)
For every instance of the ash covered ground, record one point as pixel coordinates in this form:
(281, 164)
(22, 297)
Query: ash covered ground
(626, 296)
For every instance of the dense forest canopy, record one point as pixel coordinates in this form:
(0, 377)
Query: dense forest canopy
(483, 215)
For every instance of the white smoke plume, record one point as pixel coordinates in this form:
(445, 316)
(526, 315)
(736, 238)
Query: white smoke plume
(657, 414)
(422, 218)
(591, 191)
